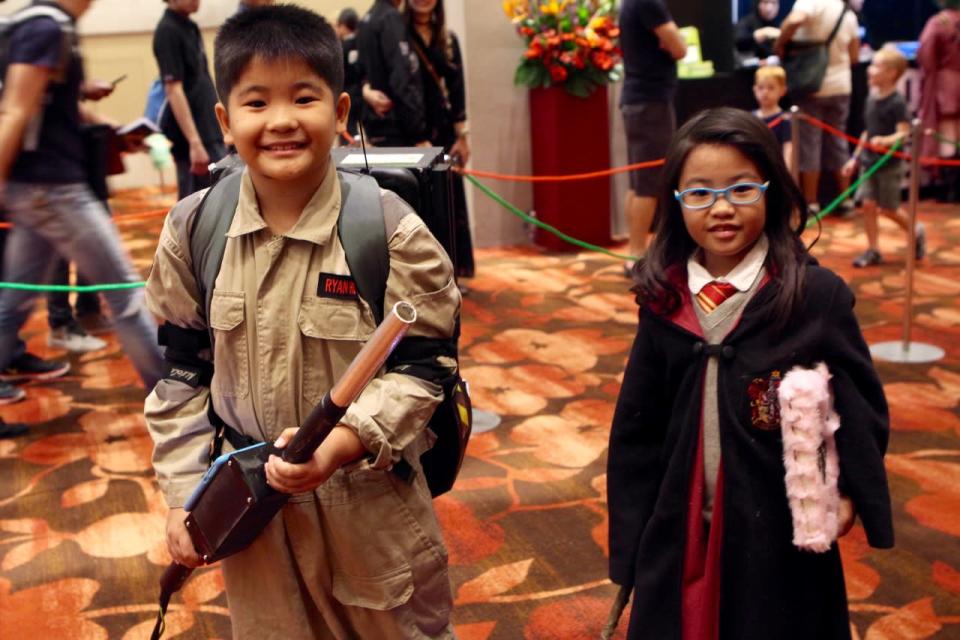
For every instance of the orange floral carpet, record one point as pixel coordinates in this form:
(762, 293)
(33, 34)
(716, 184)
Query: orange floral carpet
(545, 338)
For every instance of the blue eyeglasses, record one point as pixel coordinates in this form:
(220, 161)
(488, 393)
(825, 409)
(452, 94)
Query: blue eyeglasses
(735, 194)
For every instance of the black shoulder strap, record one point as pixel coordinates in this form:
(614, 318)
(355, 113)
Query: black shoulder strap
(363, 236)
(208, 236)
(836, 27)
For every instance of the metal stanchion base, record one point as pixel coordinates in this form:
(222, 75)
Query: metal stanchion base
(912, 352)
(484, 421)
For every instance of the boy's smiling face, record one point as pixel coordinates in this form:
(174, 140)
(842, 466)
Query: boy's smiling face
(283, 118)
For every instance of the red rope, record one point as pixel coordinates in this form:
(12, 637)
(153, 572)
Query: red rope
(830, 129)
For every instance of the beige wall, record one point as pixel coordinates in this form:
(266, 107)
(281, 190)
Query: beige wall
(499, 120)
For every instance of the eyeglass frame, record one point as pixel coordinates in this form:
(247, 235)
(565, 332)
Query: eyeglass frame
(678, 195)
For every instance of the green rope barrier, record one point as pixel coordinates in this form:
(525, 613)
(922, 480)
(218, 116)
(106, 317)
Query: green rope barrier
(853, 187)
(543, 225)
(71, 288)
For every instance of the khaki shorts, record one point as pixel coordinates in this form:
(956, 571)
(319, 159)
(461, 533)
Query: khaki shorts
(883, 187)
(649, 127)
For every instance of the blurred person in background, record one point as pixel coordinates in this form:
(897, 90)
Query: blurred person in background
(393, 113)
(939, 62)
(651, 45)
(757, 31)
(188, 118)
(814, 21)
(445, 107)
(346, 27)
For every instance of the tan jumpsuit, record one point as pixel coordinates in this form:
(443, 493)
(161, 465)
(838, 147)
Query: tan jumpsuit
(362, 556)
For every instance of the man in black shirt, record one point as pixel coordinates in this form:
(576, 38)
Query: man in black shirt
(391, 69)
(651, 46)
(188, 118)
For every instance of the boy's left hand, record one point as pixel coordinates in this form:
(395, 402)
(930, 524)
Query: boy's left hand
(846, 514)
(340, 447)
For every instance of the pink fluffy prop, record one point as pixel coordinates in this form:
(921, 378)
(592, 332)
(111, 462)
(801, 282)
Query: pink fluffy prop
(810, 458)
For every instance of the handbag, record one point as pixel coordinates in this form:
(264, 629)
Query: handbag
(806, 62)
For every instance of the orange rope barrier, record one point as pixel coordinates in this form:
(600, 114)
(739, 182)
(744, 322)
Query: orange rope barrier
(905, 156)
(577, 176)
(564, 178)
(121, 219)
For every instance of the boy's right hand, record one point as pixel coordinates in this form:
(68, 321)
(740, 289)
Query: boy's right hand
(178, 540)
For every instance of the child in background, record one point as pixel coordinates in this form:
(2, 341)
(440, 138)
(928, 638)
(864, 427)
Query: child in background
(700, 524)
(887, 120)
(769, 87)
(357, 552)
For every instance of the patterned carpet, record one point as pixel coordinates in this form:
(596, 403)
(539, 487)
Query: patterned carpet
(544, 342)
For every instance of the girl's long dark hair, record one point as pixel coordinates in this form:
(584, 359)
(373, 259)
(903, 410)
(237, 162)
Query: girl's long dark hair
(786, 213)
(438, 25)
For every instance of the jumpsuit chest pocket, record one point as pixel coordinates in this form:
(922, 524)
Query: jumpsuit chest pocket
(333, 331)
(230, 359)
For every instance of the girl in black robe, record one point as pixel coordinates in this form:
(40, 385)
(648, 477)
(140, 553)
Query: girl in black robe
(752, 582)
(444, 98)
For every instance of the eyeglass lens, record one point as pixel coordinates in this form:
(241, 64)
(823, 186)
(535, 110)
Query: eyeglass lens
(735, 194)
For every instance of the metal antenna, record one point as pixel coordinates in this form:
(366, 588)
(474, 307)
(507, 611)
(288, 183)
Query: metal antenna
(363, 147)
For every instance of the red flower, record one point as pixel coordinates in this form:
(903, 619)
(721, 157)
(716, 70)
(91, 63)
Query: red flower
(602, 60)
(558, 73)
(535, 50)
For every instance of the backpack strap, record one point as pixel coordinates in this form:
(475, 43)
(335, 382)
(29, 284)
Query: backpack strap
(363, 236)
(208, 235)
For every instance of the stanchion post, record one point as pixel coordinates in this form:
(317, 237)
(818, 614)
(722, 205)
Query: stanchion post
(795, 143)
(916, 142)
(905, 350)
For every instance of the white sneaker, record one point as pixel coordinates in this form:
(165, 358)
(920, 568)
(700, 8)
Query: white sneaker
(74, 339)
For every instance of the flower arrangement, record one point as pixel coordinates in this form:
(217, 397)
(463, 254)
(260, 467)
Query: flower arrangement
(569, 42)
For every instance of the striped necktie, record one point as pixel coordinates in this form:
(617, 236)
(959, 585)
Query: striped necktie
(713, 295)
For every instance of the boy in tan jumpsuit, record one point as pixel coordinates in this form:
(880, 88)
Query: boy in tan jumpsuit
(357, 552)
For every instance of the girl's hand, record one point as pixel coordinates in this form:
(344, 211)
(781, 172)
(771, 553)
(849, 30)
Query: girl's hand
(178, 540)
(340, 447)
(846, 514)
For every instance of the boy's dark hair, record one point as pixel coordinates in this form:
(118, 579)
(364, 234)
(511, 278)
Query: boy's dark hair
(349, 19)
(672, 246)
(276, 32)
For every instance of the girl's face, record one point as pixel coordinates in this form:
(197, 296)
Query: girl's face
(724, 231)
(423, 6)
(768, 9)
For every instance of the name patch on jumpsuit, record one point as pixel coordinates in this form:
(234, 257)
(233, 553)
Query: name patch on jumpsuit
(332, 285)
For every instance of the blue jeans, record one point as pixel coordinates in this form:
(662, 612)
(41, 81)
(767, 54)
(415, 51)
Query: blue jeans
(52, 220)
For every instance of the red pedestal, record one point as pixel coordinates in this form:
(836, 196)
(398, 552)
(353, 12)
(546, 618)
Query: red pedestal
(570, 135)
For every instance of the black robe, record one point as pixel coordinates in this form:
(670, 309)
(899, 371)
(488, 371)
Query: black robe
(768, 588)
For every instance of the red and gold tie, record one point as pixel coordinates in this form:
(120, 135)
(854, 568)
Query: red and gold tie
(713, 295)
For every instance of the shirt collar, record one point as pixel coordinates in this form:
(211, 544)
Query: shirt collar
(741, 276)
(316, 222)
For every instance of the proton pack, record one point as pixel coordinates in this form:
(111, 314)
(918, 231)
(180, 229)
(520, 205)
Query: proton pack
(363, 236)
